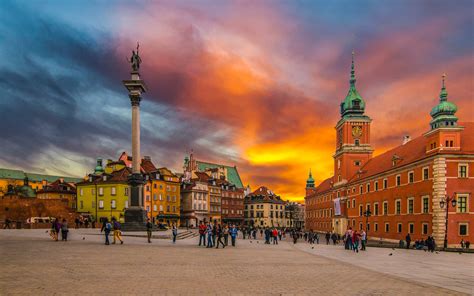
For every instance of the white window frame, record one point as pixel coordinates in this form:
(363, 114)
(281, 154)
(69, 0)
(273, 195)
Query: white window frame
(408, 205)
(427, 168)
(387, 227)
(411, 225)
(423, 228)
(385, 213)
(376, 206)
(101, 203)
(113, 190)
(413, 174)
(467, 228)
(398, 201)
(399, 229)
(397, 177)
(463, 195)
(459, 170)
(422, 204)
(113, 204)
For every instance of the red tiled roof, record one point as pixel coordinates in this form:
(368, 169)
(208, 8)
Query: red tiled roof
(58, 186)
(265, 194)
(148, 166)
(413, 151)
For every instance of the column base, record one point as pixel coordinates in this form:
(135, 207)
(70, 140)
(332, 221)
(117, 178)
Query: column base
(135, 219)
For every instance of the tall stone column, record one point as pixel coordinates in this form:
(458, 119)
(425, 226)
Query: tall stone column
(135, 215)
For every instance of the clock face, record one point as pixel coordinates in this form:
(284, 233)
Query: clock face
(357, 131)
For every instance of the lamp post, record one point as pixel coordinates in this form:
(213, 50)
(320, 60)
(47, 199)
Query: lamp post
(442, 203)
(367, 214)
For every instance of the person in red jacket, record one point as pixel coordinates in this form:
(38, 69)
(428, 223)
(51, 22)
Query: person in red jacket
(355, 241)
(202, 234)
(275, 236)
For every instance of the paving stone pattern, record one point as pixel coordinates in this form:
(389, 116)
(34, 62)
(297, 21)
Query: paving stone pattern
(32, 264)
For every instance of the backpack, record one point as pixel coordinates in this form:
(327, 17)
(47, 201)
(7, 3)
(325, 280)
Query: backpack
(108, 227)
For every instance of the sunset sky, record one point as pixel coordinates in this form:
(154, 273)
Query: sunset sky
(252, 83)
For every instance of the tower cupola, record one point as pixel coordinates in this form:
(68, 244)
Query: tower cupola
(443, 114)
(310, 180)
(353, 104)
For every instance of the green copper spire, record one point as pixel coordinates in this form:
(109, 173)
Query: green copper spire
(443, 113)
(353, 104)
(310, 180)
(353, 77)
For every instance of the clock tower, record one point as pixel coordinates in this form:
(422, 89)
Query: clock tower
(353, 148)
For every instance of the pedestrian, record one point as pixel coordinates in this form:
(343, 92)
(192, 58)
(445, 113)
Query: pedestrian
(107, 228)
(220, 234)
(355, 241)
(316, 236)
(295, 236)
(7, 224)
(468, 244)
(408, 240)
(328, 236)
(226, 234)
(334, 238)
(149, 229)
(202, 233)
(233, 234)
(117, 231)
(76, 221)
(209, 235)
(261, 232)
(86, 222)
(267, 236)
(174, 231)
(214, 233)
(363, 239)
(64, 230)
(275, 236)
(57, 228)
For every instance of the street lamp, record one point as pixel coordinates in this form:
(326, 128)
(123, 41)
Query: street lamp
(367, 214)
(446, 202)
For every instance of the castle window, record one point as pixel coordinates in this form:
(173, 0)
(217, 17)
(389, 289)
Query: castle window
(411, 228)
(361, 210)
(360, 189)
(462, 171)
(353, 203)
(376, 209)
(376, 185)
(387, 227)
(410, 205)
(368, 187)
(357, 163)
(399, 227)
(399, 180)
(425, 204)
(385, 183)
(462, 204)
(385, 207)
(424, 228)
(398, 205)
(357, 142)
(411, 177)
(425, 173)
(463, 229)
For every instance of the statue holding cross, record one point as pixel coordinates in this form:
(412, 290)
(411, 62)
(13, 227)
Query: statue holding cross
(135, 60)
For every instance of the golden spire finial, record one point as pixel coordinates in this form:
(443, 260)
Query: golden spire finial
(444, 78)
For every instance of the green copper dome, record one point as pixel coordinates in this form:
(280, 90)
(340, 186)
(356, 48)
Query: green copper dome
(443, 114)
(98, 168)
(353, 104)
(310, 180)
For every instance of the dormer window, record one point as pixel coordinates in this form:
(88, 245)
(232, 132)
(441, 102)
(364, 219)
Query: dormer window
(356, 104)
(104, 178)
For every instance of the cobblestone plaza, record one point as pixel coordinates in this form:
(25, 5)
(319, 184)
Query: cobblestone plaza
(33, 264)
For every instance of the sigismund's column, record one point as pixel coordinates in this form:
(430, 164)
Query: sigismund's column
(135, 215)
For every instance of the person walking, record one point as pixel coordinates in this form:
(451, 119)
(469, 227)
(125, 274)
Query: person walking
(408, 240)
(334, 238)
(363, 239)
(202, 234)
(275, 236)
(355, 241)
(149, 229)
(57, 228)
(316, 236)
(107, 229)
(209, 235)
(174, 231)
(295, 237)
(214, 233)
(233, 234)
(328, 236)
(64, 230)
(7, 224)
(76, 221)
(220, 234)
(226, 234)
(117, 231)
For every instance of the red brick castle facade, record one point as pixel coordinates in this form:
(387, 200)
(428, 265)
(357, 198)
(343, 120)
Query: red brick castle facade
(402, 189)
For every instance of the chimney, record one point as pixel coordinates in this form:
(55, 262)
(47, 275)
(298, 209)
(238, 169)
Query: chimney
(406, 139)
(146, 157)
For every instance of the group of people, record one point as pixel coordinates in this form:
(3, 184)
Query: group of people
(112, 226)
(59, 227)
(214, 235)
(354, 240)
(81, 221)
